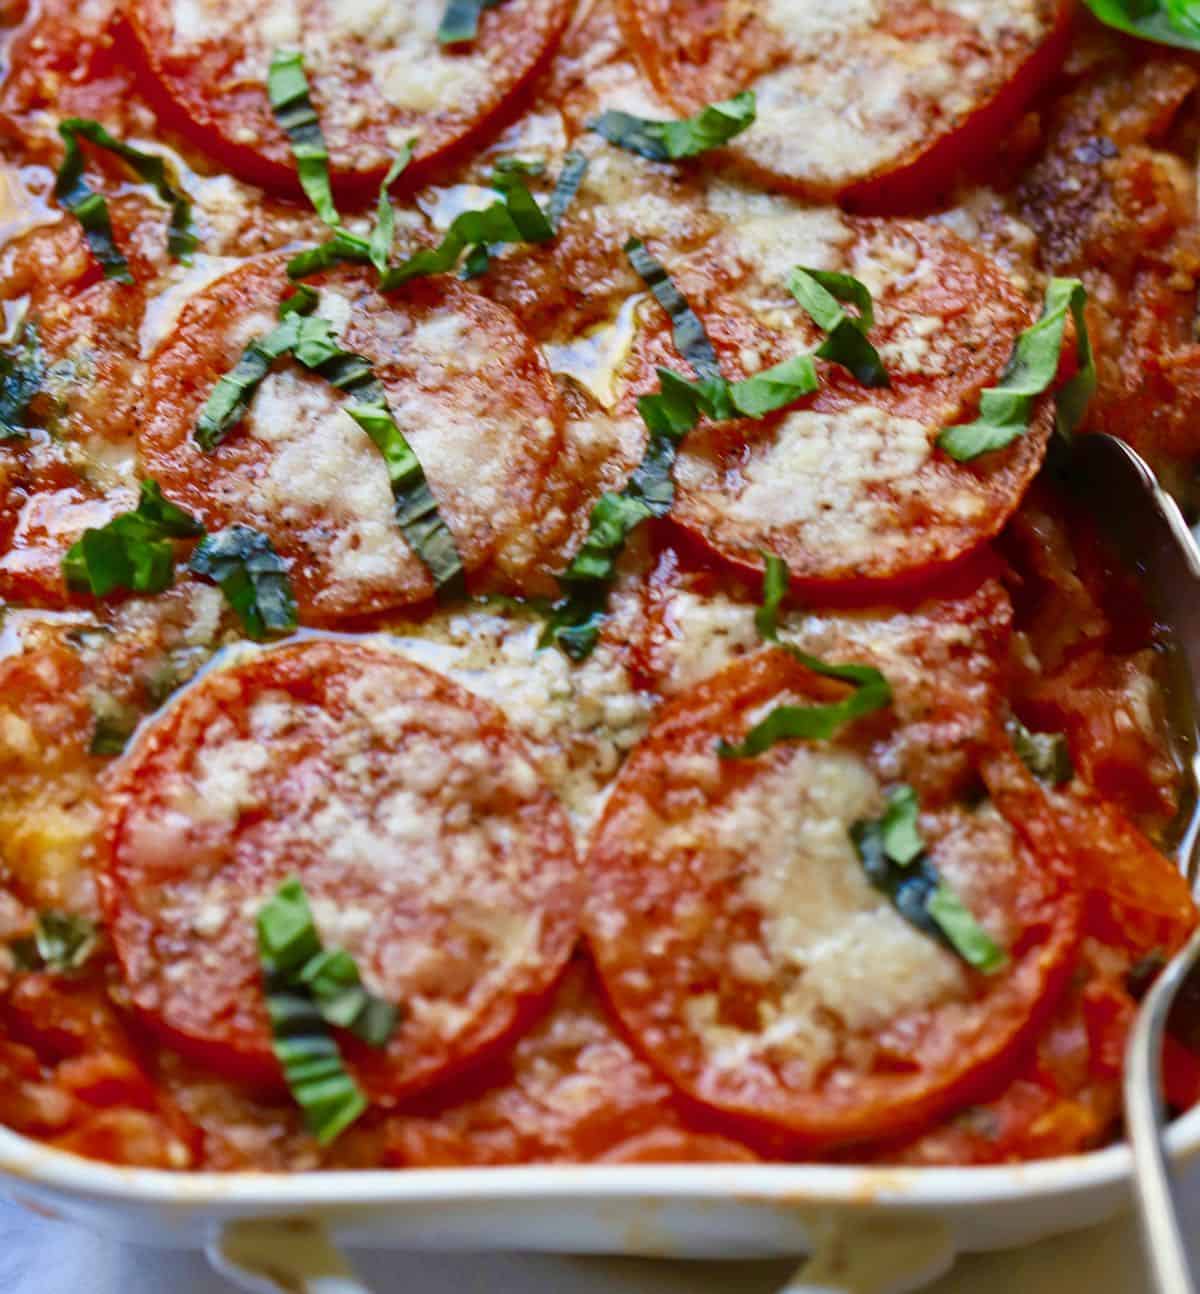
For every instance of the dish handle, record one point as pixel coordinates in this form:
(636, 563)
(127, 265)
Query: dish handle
(874, 1255)
(281, 1256)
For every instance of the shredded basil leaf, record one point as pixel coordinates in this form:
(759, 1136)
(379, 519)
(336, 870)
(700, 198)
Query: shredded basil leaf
(574, 168)
(1005, 409)
(808, 722)
(307, 989)
(776, 578)
(384, 233)
(899, 828)
(1167, 22)
(814, 722)
(820, 293)
(576, 620)
(252, 576)
(22, 371)
(1047, 755)
(460, 20)
(669, 141)
(516, 218)
(224, 408)
(332, 978)
(691, 340)
(964, 934)
(61, 941)
(133, 551)
(74, 193)
(291, 101)
(343, 246)
(416, 509)
(894, 858)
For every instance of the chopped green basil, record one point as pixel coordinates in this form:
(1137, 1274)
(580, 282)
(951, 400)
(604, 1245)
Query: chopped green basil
(1005, 409)
(343, 246)
(61, 941)
(291, 101)
(1167, 22)
(74, 193)
(307, 989)
(808, 722)
(776, 579)
(820, 293)
(691, 340)
(669, 141)
(225, 406)
(252, 576)
(416, 509)
(574, 168)
(460, 20)
(814, 722)
(384, 233)
(332, 978)
(1047, 755)
(515, 218)
(894, 858)
(899, 828)
(965, 935)
(133, 551)
(22, 371)
(576, 620)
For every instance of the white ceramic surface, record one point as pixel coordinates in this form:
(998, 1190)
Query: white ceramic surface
(39, 1256)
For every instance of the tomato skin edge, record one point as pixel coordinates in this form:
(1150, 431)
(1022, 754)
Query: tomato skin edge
(914, 184)
(1056, 925)
(353, 187)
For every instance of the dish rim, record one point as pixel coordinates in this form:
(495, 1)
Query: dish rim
(32, 1163)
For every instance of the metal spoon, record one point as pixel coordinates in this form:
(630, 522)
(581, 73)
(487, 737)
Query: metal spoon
(1153, 538)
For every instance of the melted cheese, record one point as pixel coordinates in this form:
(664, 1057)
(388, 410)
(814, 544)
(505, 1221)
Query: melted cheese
(835, 475)
(839, 956)
(850, 98)
(580, 719)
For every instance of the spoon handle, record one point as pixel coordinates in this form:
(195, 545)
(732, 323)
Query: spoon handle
(1166, 1251)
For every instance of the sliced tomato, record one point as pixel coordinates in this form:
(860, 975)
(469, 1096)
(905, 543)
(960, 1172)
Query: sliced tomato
(571, 1091)
(428, 847)
(1136, 896)
(378, 77)
(750, 959)
(849, 486)
(1065, 1100)
(466, 385)
(872, 106)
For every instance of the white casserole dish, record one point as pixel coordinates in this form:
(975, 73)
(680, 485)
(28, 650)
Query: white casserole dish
(910, 1222)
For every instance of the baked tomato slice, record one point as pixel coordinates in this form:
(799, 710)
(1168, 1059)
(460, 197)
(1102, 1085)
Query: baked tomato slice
(746, 952)
(427, 844)
(864, 102)
(465, 384)
(378, 74)
(849, 485)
